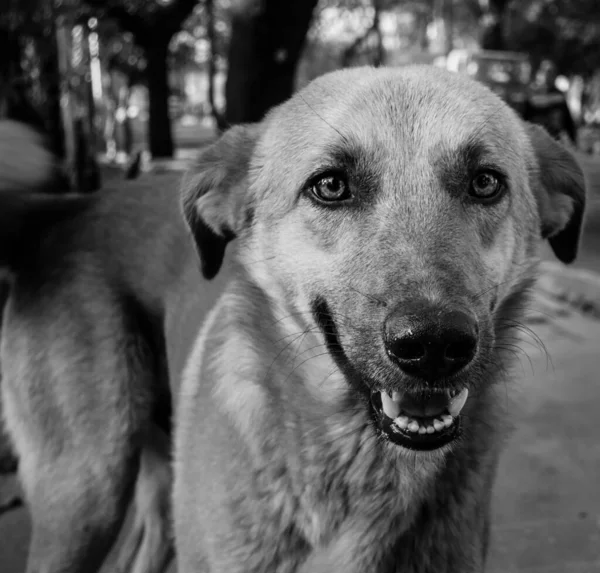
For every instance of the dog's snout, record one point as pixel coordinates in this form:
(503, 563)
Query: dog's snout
(430, 343)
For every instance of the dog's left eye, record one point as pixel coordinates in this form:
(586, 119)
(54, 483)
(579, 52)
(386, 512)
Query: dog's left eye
(330, 187)
(486, 186)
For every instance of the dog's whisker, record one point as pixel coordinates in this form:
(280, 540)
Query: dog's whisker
(537, 341)
(263, 260)
(298, 336)
(518, 352)
(368, 296)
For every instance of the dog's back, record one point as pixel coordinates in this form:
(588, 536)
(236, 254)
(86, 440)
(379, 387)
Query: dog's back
(94, 282)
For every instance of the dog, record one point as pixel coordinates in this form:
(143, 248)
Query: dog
(340, 408)
(386, 226)
(94, 281)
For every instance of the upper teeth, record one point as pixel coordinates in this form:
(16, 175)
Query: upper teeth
(458, 402)
(391, 408)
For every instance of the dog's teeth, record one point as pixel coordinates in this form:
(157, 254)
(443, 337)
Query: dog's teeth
(422, 430)
(438, 425)
(430, 429)
(401, 422)
(457, 403)
(390, 407)
(448, 420)
(413, 426)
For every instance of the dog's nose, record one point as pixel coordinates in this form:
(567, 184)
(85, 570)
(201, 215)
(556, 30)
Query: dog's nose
(430, 343)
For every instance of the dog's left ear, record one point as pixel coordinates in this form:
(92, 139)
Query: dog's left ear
(214, 198)
(559, 188)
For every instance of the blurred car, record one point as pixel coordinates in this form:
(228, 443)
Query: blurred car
(508, 74)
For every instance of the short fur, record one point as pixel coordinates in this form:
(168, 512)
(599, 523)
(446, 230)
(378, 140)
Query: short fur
(278, 466)
(95, 291)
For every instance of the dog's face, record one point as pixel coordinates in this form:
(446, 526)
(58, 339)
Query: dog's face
(400, 210)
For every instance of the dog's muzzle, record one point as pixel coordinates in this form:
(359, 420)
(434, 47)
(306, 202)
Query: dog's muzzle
(420, 420)
(430, 345)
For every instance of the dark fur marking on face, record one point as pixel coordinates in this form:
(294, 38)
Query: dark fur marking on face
(249, 216)
(324, 319)
(354, 163)
(455, 169)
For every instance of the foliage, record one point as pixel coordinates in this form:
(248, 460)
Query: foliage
(147, 20)
(565, 31)
(192, 43)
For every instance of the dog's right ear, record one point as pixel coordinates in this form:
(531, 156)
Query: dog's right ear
(559, 188)
(215, 200)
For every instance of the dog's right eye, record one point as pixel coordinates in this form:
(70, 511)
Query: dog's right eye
(330, 187)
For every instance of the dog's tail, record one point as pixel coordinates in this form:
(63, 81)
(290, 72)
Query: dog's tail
(25, 163)
(26, 169)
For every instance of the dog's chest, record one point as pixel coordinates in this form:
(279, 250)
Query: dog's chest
(345, 485)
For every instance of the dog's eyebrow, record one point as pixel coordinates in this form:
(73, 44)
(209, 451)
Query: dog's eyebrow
(351, 158)
(342, 156)
(453, 166)
(471, 155)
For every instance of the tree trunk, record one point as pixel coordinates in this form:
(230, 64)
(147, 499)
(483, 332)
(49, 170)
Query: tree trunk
(264, 51)
(379, 50)
(50, 77)
(493, 34)
(448, 17)
(212, 64)
(160, 135)
(492, 37)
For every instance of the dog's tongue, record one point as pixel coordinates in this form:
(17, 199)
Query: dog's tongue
(423, 404)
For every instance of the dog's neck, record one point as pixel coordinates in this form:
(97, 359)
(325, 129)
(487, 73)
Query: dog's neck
(297, 387)
(325, 469)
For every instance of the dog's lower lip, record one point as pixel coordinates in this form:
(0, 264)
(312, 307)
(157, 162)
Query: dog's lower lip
(420, 433)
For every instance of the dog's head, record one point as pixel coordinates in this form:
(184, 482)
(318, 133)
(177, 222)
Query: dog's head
(401, 210)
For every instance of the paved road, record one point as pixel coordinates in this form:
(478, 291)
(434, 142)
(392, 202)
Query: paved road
(547, 499)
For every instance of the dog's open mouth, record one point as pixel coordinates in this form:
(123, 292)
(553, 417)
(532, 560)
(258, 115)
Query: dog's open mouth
(420, 420)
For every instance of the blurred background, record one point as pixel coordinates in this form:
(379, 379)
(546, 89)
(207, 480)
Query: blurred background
(125, 81)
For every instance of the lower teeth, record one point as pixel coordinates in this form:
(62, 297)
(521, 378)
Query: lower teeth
(413, 426)
(391, 406)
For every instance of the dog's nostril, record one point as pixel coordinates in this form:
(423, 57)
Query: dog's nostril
(461, 350)
(407, 350)
(429, 343)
